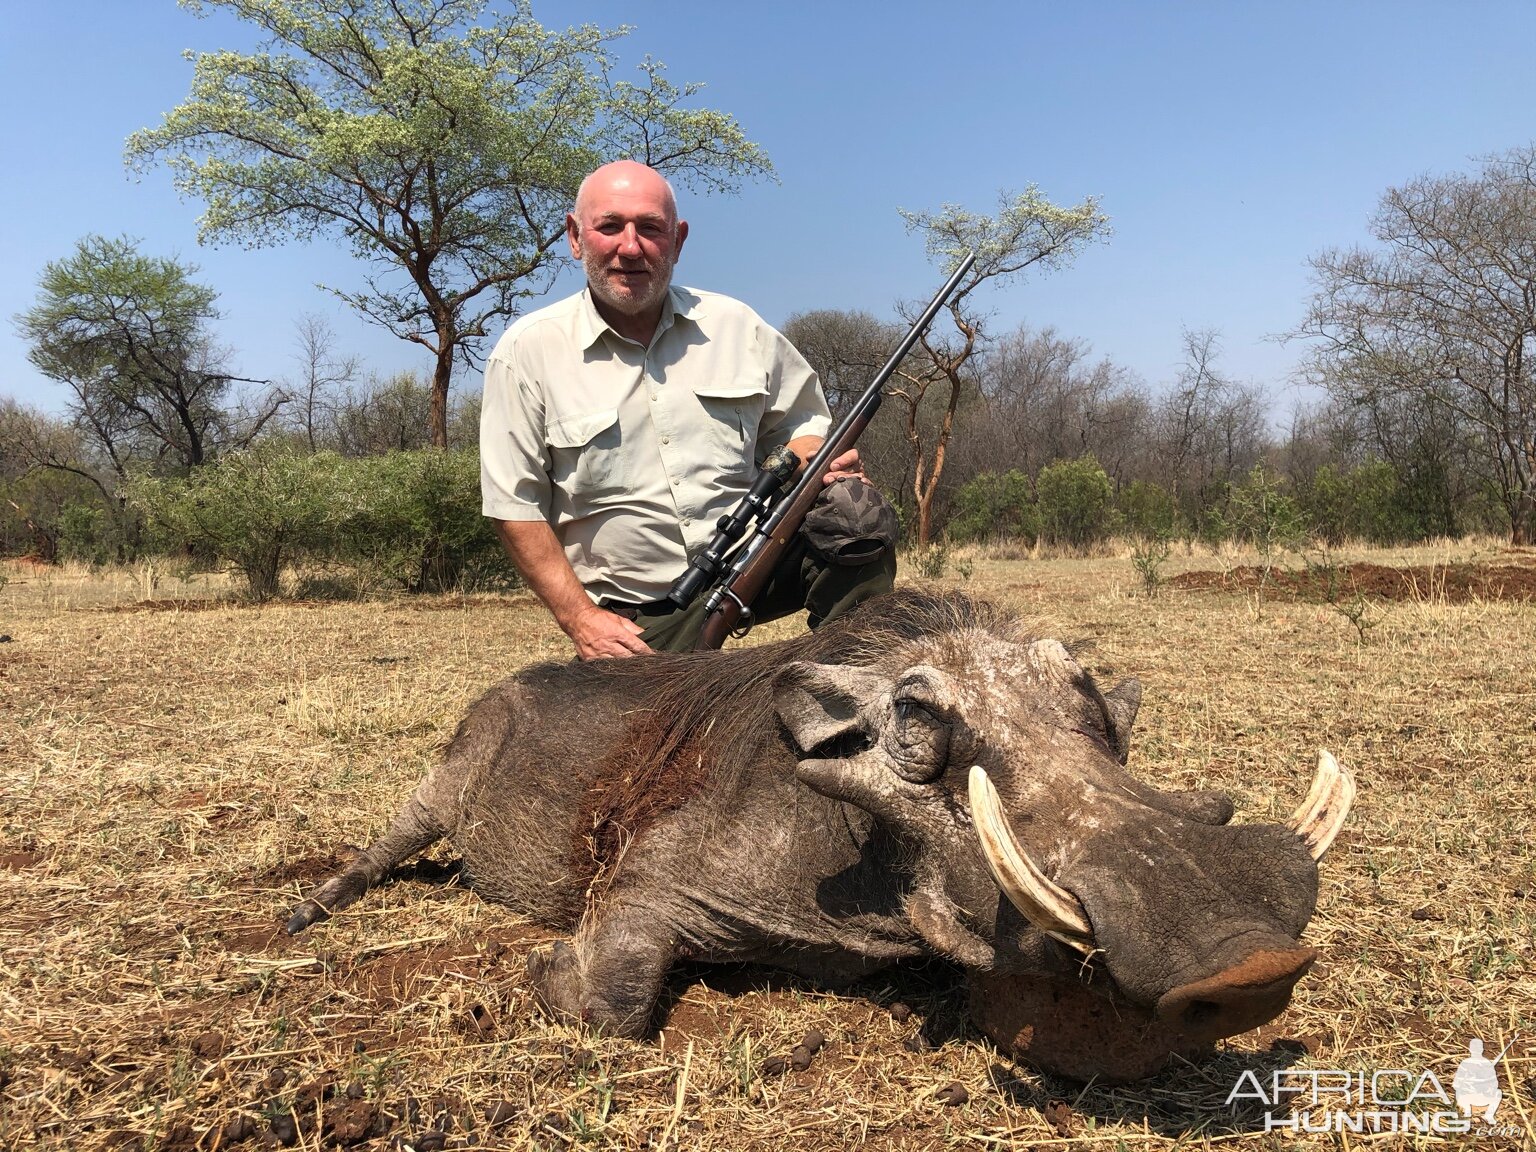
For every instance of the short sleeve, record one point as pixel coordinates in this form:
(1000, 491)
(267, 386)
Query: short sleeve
(796, 406)
(514, 462)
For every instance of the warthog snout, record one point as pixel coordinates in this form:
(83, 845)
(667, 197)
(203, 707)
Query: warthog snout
(1238, 998)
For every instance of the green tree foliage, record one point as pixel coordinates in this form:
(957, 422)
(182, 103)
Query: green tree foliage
(1076, 502)
(444, 143)
(1026, 231)
(51, 488)
(416, 523)
(53, 515)
(995, 505)
(129, 335)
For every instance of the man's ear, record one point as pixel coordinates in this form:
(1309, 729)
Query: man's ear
(682, 234)
(573, 235)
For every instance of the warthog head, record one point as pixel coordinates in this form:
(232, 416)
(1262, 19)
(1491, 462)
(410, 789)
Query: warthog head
(1106, 924)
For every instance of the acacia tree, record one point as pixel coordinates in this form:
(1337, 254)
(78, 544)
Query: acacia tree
(129, 335)
(1027, 230)
(444, 150)
(1445, 313)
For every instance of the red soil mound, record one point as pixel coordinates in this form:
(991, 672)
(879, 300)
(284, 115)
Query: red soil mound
(1440, 583)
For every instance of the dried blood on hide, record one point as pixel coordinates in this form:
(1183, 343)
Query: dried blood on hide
(651, 772)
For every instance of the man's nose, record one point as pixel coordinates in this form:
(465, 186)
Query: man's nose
(629, 241)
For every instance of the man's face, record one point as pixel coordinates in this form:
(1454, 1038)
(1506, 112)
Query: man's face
(628, 239)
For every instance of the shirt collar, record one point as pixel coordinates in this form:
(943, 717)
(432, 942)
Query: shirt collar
(680, 302)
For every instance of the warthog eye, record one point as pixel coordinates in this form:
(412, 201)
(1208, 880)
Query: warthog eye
(921, 740)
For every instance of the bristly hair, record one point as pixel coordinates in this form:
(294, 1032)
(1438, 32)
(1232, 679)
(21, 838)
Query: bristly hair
(699, 717)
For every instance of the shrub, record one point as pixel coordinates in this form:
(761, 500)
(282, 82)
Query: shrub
(418, 523)
(411, 519)
(84, 534)
(1148, 510)
(1261, 513)
(1374, 504)
(995, 505)
(1075, 502)
(259, 510)
(930, 562)
(1148, 555)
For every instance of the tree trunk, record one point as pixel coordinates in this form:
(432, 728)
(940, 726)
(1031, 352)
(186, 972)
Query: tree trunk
(442, 373)
(924, 518)
(1522, 520)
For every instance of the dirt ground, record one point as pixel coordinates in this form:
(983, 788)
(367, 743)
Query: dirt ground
(1449, 583)
(176, 770)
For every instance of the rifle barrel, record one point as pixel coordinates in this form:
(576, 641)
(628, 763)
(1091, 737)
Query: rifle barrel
(871, 397)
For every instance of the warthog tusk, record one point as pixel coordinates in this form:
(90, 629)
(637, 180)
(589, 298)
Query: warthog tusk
(1049, 907)
(1323, 812)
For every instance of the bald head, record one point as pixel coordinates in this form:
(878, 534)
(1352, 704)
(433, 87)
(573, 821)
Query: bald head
(627, 179)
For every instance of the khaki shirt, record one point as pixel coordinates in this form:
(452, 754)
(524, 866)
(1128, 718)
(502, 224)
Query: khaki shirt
(632, 454)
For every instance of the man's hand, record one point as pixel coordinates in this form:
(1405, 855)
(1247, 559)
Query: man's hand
(599, 634)
(846, 466)
(595, 632)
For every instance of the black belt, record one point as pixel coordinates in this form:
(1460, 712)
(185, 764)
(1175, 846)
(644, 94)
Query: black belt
(635, 611)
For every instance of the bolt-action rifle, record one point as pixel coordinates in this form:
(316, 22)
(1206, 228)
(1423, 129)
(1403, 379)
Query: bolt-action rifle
(736, 572)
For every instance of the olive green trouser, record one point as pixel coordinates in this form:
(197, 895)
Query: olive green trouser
(802, 581)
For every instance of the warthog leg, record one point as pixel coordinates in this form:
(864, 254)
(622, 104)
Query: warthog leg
(609, 976)
(414, 829)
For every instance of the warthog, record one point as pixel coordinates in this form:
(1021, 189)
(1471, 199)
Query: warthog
(917, 778)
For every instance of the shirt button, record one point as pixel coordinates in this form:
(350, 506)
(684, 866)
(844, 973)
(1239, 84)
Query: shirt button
(666, 440)
(687, 521)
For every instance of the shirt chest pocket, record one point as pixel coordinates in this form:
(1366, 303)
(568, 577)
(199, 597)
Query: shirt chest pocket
(732, 416)
(586, 455)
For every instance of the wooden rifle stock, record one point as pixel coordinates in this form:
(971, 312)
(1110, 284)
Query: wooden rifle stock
(755, 561)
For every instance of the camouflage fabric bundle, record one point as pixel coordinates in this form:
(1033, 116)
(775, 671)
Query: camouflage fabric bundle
(850, 524)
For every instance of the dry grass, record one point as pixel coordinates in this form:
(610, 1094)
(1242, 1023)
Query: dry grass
(171, 779)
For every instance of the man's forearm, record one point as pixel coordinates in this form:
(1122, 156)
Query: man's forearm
(538, 557)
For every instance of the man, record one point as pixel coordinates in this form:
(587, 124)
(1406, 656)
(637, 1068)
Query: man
(621, 423)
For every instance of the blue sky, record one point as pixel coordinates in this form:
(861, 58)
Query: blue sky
(1227, 142)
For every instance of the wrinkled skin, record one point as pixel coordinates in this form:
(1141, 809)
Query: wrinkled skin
(825, 827)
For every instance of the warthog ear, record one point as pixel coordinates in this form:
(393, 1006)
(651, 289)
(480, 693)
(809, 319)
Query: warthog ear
(820, 703)
(1122, 702)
